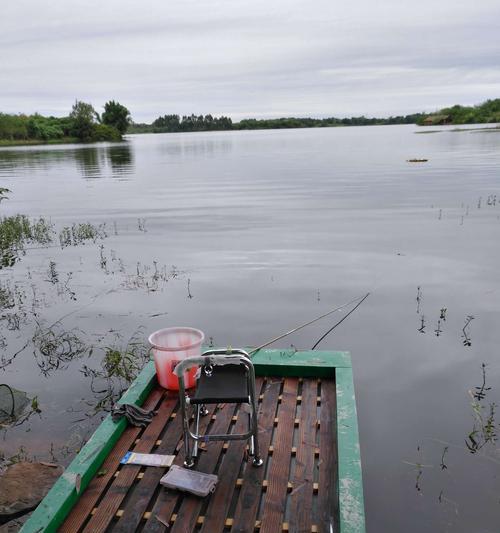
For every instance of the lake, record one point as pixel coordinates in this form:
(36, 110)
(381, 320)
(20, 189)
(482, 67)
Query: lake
(248, 234)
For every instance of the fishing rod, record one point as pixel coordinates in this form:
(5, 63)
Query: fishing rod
(342, 319)
(360, 300)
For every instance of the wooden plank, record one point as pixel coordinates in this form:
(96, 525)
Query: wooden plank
(56, 505)
(167, 499)
(87, 502)
(216, 513)
(118, 490)
(275, 498)
(251, 490)
(145, 489)
(327, 491)
(187, 515)
(303, 479)
(351, 504)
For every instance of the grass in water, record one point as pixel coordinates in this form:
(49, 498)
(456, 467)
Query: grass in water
(120, 365)
(18, 230)
(81, 233)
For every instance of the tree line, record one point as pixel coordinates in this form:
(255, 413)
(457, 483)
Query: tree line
(486, 113)
(82, 124)
(176, 123)
(86, 125)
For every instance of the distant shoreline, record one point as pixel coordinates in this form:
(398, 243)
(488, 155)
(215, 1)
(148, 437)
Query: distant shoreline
(35, 142)
(4, 143)
(84, 125)
(73, 140)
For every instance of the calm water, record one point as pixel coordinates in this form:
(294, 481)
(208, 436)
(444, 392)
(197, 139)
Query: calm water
(252, 233)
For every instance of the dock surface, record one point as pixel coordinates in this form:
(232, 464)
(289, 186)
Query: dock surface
(296, 489)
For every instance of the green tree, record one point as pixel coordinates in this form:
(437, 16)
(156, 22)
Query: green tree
(84, 119)
(117, 116)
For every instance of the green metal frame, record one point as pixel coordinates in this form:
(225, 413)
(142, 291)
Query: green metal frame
(57, 504)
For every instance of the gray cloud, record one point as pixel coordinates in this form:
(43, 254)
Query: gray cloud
(247, 58)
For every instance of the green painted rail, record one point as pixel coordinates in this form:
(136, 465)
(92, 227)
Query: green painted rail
(57, 504)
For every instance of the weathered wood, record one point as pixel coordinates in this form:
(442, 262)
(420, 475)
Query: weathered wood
(118, 490)
(189, 510)
(167, 499)
(327, 490)
(216, 513)
(303, 478)
(86, 503)
(275, 498)
(251, 490)
(144, 490)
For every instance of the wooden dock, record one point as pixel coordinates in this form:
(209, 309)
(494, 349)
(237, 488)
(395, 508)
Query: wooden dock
(303, 485)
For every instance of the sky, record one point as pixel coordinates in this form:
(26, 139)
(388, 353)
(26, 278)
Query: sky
(249, 58)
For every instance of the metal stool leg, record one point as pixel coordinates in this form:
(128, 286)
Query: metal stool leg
(197, 428)
(254, 439)
(251, 440)
(188, 458)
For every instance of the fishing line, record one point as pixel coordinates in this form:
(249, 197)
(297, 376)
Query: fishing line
(342, 319)
(255, 350)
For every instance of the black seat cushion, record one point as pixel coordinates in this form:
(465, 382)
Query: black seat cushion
(228, 383)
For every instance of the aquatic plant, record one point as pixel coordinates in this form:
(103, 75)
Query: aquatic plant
(3, 190)
(465, 331)
(18, 230)
(484, 427)
(419, 299)
(141, 225)
(78, 234)
(52, 273)
(150, 277)
(55, 347)
(120, 365)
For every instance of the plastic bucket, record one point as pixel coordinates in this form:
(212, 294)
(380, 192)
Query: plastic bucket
(170, 345)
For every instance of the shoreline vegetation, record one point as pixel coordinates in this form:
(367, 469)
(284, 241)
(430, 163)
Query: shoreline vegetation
(84, 124)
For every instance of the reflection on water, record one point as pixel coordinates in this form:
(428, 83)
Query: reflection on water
(92, 161)
(121, 159)
(192, 146)
(88, 162)
(97, 162)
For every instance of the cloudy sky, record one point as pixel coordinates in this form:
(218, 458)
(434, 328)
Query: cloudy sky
(249, 57)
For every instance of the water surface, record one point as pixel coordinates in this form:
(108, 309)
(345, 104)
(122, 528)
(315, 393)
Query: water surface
(247, 234)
